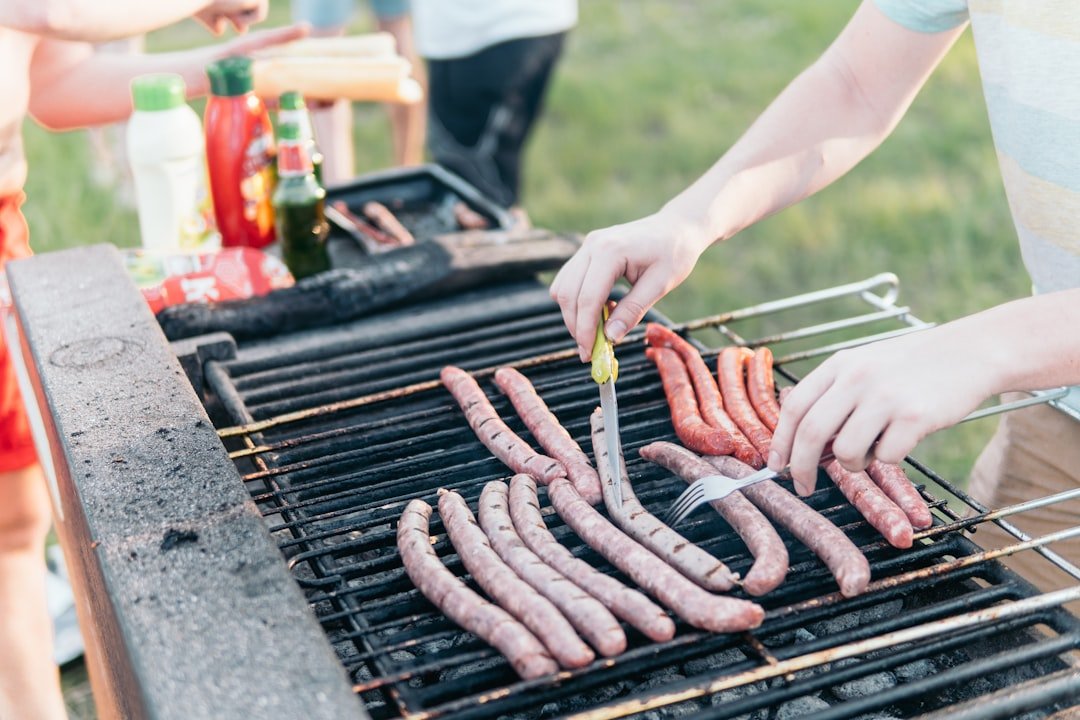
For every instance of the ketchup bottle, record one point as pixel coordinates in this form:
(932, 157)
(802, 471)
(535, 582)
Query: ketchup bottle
(239, 155)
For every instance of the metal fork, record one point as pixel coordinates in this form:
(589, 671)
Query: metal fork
(718, 487)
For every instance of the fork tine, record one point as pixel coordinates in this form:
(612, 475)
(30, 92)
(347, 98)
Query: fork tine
(690, 498)
(686, 510)
(690, 491)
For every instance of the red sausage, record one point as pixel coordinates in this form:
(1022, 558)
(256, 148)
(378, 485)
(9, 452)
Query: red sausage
(873, 504)
(730, 367)
(701, 609)
(770, 556)
(762, 388)
(493, 432)
(828, 542)
(710, 403)
(595, 623)
(490, 623)
(894, 482)
(500, 582)
(637, 522)
(547, 430)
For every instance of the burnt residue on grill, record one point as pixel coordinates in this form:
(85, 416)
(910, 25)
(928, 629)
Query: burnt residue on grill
(331, 487)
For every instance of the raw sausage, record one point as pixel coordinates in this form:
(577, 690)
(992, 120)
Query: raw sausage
(547, 430)
(468, 218)
(843, 558)
(624, 602)
(637, 522)
(710, 404)
(872, 503)
(595, 623)
(490, 623)
(493, 432)
(692, 430)
(770, 556)
(385, 220)
(894, 482)
(730, 367)
(534, 610)
(761, 387)
(694, 605)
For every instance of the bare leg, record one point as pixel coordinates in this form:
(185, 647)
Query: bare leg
(29, 681)
(408, 123)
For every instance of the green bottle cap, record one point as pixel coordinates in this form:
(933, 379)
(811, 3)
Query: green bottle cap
(230, 76)
(288, 131)
(157, 91)
(291, 100)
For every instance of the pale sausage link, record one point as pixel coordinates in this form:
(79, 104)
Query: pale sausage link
(843, 557)
(493, 432)
(694, 605)
(511, 592)
(379, 214)
(490, 623)
(592, 619)
(895, 483)
(730, 367)
(761, 387)
(547, 430)
(626, 603)
(710, 403)
(637, 522)
(770, 556)
(873, 504)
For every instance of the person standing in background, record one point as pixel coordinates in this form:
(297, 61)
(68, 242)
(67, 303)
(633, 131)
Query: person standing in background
(489, 65)
(334, 124)
(52, 74)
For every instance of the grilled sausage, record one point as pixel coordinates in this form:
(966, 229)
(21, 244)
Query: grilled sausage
(694, 605)
(493, 432)
(762, 388)
(624, 602)
(872, 503)
(547, 430)
(490, 623)
(385, 220)
(515, 596)
(843, 558)
(637, 522)
(895, 483)
(770, 556)
(595, 623)
(468, 218)
(730, 367)
(710, 404)
(692, 430)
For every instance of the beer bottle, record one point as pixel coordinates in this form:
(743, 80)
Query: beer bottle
(299, 202)
(292, 110)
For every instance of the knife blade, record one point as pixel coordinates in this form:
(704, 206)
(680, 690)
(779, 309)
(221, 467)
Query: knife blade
(605, 370)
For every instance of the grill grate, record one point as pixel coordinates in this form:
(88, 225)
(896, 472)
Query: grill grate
(331, 476)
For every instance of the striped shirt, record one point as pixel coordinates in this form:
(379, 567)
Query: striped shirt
(1029, 58)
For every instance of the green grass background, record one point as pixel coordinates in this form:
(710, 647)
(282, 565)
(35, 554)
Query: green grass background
(648, 94)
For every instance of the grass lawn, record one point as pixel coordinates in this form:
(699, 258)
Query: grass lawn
(649, 93)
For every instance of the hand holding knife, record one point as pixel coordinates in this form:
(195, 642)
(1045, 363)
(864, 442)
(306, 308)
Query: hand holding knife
(605, 370)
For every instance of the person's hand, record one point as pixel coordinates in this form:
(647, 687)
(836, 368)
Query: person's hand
(241, 13)
(250, 42)
(898, 390)
(654, 254)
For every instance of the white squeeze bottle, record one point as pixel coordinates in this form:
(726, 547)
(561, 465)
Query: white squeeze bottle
(165, 146)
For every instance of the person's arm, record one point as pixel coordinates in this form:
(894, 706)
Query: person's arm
(102, 20)
(818, 128)
(73, 87)
(903, 389)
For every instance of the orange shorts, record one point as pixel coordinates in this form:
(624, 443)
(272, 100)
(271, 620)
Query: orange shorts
(16, 445)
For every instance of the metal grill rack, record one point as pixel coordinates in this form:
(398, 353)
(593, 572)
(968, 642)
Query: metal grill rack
(336, 430)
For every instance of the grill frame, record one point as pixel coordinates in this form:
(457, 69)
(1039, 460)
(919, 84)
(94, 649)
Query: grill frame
(263, 429)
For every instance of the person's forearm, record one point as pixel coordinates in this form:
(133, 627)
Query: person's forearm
(94, 20)
(97, 91)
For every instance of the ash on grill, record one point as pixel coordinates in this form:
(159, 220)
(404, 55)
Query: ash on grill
(336, 430)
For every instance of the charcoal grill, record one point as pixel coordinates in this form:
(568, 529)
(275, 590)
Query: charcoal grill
(333, 431)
